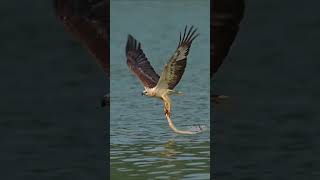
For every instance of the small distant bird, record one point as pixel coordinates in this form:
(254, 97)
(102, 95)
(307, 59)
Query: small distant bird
(161, 86)
(87, 21)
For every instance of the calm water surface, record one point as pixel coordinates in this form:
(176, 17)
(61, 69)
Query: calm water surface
(142, 145)
(269, 130)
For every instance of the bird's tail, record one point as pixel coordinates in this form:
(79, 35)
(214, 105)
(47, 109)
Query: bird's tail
(176, 93)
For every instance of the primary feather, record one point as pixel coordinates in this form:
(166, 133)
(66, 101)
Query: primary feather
(139, 64)
(175, 68)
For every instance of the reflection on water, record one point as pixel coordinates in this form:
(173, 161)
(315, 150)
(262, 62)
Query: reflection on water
(173, 159)
(142, 145)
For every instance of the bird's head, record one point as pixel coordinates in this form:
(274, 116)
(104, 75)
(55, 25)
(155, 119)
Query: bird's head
(144, 93)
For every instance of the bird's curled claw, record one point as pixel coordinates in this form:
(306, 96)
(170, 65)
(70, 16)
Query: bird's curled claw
(166, 112)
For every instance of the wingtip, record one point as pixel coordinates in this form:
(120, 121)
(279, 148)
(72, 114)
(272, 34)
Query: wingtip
(132, 44)
(189, 34)
(129, 43)
(130, 39)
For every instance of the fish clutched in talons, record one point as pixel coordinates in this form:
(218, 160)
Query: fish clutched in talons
(171, 125)
(167, 112)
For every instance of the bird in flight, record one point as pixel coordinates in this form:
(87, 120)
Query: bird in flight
(161, 86)
(87, 21)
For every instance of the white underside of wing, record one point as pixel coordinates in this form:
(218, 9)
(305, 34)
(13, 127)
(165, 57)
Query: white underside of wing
(167, 74)
(182, 53)
(162, 86)
(163, 82)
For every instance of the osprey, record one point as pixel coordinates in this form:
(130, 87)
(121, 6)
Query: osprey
(161, 86)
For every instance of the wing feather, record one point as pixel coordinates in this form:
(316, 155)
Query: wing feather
(87, 21)
(226, 17)
(174, 69)
(139, 64)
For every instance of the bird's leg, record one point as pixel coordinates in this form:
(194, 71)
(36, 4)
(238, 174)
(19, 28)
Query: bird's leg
(166, 111)
(166, 108)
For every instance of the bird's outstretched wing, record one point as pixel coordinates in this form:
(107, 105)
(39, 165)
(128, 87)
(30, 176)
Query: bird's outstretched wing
(139, 64)
(174, 69)
(225, 21)
(87, 21)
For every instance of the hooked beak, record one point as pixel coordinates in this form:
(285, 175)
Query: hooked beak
(142, 94)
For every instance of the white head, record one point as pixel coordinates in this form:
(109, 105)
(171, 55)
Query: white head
(148, 92)
(144, 93)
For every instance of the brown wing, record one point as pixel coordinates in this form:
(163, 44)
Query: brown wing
(139, 64)
(174, 69)
(87, 21)
(227, 15)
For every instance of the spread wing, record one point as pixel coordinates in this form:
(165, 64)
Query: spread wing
(227, 15)
(174, 69)
(139, 64)
(87, 21)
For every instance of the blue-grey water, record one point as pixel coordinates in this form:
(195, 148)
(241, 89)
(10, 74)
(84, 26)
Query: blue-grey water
(142, 146)
(51, 126)
(270, 127)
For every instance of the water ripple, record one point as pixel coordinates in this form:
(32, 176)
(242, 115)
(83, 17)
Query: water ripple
(142, 145)
(156, 160)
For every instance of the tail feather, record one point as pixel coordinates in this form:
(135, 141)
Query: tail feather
(176, 93)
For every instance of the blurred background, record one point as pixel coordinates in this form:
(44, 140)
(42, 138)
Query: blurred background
(50, 120)
(269, 129)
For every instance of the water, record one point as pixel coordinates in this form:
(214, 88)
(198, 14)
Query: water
(270, 129)
(142, 145)
(51, 126)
